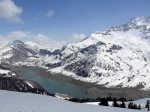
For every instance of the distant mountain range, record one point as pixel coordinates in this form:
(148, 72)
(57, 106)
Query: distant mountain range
(116, 57)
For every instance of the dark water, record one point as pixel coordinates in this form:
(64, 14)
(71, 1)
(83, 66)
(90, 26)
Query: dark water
(54, 86)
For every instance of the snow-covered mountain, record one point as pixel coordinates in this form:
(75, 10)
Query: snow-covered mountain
(16, 51)
(116, 57)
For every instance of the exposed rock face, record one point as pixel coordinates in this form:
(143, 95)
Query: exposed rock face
(11, 81)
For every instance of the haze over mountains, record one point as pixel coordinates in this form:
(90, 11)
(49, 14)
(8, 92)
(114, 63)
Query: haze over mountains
(116, 57)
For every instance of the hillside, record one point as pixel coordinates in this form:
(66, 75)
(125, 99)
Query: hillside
(27, 102)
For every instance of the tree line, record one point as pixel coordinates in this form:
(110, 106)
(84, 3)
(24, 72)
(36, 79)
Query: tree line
(96, 99)
(115, 102)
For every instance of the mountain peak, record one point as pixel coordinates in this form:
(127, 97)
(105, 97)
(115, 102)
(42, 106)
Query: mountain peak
(140, 21)
(17, 42)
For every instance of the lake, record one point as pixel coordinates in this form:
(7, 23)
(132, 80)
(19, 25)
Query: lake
(53, 86)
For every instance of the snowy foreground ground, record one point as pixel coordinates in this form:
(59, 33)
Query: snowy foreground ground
(26, 102)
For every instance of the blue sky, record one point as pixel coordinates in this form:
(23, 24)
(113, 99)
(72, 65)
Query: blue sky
(60, 19)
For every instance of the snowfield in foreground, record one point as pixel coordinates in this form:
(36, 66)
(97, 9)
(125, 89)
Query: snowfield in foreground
(27, 102)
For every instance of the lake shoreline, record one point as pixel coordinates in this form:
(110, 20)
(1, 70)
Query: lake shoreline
(90, 88)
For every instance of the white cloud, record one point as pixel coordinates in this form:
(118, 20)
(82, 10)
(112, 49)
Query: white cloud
(78, 36)
(31, 39)
(3, 41)
(50, 13)
(40, 38)
(18, 35)
(25, 36)
(10, 12)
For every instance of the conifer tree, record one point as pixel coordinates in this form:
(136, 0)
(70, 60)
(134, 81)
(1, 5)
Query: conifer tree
(147, 104)
(104, 102)
(130, 105)
(134, 106)
(123, 105)
(115, 104)
(139, 107)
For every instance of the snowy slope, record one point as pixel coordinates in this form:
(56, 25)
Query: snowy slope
(7, 73)
(26, 102)
(116, 57)
(16, 51)
(141, 102)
